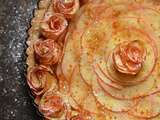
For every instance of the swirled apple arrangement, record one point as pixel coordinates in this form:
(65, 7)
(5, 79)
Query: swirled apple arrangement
(96, 60)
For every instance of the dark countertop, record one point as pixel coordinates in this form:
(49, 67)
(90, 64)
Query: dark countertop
(15, 100)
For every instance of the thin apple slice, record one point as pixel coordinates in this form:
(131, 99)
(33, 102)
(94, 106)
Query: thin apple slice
(114, 116)
(104, 78)
(156, 118)
(72, 44)
(78, 89)
(119, 116)
(109, 102)
(130, 92)
(148, 107)
(90, 104)
(93, 44)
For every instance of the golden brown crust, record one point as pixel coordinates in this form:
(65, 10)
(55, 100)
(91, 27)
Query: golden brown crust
(34, 30)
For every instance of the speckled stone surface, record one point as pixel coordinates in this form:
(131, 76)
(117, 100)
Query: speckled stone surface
(15, 100)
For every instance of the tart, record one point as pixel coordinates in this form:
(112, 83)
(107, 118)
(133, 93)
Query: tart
(95, 59)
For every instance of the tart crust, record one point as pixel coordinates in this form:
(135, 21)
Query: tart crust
(34, 31)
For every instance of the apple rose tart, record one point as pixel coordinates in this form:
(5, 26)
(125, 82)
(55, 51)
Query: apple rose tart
(95, 59)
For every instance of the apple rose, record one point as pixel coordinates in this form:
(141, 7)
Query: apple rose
(40, 79)
(51, 105)
(47, 52)
(54, 26)
(67, 7)
(128, 57)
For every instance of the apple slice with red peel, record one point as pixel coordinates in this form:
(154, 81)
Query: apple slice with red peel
(109, 102)
(156, 118)
(148, 107)
(105, 79)
(81, 93)
(103, 84)
(78, 89)
(120, 116)
(90, 104)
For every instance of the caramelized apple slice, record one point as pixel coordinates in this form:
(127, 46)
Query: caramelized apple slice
(78, 89)
(148, 107)
(90, 104)
(119, 116)
(109, 102)
(101, 75)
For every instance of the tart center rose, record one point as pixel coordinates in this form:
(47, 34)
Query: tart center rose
(128, 57)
